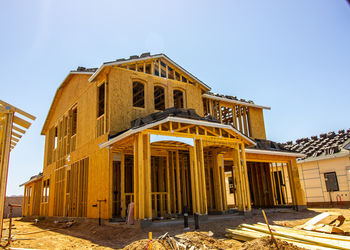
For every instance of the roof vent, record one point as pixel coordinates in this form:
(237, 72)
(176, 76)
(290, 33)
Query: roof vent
(133, 57)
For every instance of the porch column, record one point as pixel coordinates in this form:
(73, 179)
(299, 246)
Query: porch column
(217, 182)
(245, 178)
(298, 194)
(239, 184)
(142, 177)
(194, 179)
(203, 187)
(122, 185)
(220, 161)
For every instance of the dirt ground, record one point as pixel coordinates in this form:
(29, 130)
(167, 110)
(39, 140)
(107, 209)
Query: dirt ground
(89, 235)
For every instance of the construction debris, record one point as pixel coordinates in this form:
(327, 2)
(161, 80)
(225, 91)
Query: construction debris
(297, 237)
(188, 240)
(333, 227)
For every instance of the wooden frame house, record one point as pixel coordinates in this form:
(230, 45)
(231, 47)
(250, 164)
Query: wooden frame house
(13, 124)
(145, 130)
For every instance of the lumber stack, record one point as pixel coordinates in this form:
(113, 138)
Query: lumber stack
(298, 237)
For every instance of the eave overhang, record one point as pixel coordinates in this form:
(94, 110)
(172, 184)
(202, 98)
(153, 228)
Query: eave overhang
(234, 101)
(273, 152)
(32, 180)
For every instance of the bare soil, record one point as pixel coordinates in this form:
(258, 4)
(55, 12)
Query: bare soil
(267, 244)
(89, 235)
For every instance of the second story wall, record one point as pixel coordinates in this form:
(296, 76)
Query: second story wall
(71, 120)
(246, 118)
(256, 123)
(123, 107)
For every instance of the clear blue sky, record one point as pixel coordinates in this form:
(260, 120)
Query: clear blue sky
(293, 56)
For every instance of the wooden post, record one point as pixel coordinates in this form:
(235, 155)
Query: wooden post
(173, 190)
(178, 185)
(217, 182)
(273, 183)
(147, 175)
(4, 160)
(193, 181)
(240, 187)
(204, 186)
(122, 184)
(196, 175)
(183, 181)
(223, 183)
(246, 177)
(168, 184)
(240, 118)
(245, 124)
(234, 115)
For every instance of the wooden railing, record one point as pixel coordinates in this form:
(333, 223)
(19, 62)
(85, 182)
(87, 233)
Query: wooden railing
(159, 203)
(100, 126)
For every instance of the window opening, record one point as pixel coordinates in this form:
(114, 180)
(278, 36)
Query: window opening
(101, 100)
(178, 99)
(331, 181)
(74, 121)
(159, 98)
(138, 95)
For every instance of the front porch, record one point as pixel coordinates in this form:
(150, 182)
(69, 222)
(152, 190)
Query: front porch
(174, 163)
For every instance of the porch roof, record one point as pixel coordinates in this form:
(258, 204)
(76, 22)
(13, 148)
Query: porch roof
(166, 117)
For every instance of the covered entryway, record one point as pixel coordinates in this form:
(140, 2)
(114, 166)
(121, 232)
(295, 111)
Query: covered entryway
(184, 168)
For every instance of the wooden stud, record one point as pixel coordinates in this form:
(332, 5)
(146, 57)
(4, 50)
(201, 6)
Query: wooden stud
(178, 185)
(202, 172)
(168, 184)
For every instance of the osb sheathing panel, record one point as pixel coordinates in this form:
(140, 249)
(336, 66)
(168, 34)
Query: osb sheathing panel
(122, 111)
(70, 94)
(99, 185)
(256, 123)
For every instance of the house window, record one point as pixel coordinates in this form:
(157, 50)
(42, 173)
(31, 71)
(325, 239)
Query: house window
(331, 181)
(178, 99)
(159, 98)
(101, 100)
(74, 121)
(138, 95)
(55, 141)
(46, 190)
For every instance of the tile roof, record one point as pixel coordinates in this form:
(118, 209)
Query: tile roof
(183, 113)
(270, 145)
(234, 98)
(83, 69)
(324, 144)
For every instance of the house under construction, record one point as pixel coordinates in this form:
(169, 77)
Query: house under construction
(147, 131)
(13, 125)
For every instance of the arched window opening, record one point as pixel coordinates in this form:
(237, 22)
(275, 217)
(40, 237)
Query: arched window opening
(159, 98)
(138, 95)
(178, 99)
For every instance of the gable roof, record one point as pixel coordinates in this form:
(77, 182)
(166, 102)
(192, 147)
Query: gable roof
(188, 116)
(145, 56)
(79, 71)
(325, 145)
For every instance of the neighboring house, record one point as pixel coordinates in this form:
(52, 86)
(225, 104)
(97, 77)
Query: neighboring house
(16, 211)
(147, 131)
(325, 170)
